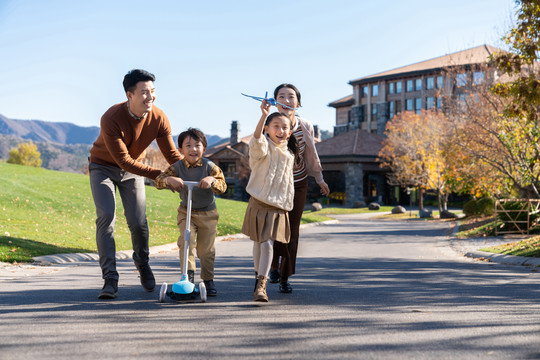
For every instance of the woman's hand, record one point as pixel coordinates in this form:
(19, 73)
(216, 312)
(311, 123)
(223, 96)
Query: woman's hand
(325, 190)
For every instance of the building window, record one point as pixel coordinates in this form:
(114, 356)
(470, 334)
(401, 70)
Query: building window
(229, 168)
(418, 84)
(430, 83)
(365, 91)
(439, 102)
(391, 88)
(373, 111)
(462, 103)
(478, 77)
(461, 80)
(390, 110)
(410, 85)
(440, 82)
(430, 102)
(398, 106)
(374, 90)
(418, 105)
(398, 87)
(410, 105)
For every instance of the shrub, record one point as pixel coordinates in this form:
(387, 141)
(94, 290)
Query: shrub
(469, 208)
(485, 206)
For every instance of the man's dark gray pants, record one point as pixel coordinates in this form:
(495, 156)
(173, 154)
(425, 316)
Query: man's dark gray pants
(104, 180)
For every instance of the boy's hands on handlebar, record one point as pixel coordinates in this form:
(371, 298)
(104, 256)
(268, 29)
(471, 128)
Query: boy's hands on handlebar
(174, 183)
(206, 183)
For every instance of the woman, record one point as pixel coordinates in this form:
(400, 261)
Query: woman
(307, 163)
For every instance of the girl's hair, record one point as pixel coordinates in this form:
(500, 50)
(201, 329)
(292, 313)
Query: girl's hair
(290, 86)
(292, 144)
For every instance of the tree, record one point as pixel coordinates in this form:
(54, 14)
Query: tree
(415, 151)
(497, 122)
(482, 162)
(25, 154)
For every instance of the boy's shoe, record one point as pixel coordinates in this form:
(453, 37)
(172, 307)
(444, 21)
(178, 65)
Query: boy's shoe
(110, 288)
(191, 276)
(285, 287)
(274, 277)
(210, 288)
(146, 276)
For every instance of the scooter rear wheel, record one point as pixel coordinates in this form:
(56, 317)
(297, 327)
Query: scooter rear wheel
(162, 292)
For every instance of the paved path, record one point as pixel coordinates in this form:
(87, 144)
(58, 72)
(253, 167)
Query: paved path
(366, 289)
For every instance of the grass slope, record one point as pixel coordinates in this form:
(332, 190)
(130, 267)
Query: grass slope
(50, 212)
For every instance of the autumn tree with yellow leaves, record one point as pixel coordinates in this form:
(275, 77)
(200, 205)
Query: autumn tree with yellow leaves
(497, 122)
(416, 150)
(25, 154)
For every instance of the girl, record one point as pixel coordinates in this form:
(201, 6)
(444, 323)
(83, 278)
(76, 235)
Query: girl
(271, 186)
(307, 163)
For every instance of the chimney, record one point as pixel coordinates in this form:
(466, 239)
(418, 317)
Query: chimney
(234, 133)
(316, 132)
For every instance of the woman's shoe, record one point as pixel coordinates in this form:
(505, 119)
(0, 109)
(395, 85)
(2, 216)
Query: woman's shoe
(274, 277)
(285, 287)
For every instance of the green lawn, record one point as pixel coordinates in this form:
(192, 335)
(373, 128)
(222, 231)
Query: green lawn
(44, 212)
(528, 247)
(50, 212)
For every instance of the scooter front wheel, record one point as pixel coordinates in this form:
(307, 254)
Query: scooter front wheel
(162, 292)
(202, 290)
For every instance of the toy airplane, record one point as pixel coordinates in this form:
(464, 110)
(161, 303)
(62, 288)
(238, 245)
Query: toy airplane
(271, 101)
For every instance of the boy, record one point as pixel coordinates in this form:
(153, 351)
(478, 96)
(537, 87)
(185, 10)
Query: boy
(204, 215)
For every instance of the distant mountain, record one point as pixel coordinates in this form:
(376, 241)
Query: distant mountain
(46, 131)
(63, 146)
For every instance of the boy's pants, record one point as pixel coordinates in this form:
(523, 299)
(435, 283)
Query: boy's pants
(104, 180)
(203, 235)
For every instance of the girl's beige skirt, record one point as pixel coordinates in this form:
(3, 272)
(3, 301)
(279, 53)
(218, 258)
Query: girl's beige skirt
(263, 222)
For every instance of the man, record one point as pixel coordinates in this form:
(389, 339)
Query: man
(127, 129)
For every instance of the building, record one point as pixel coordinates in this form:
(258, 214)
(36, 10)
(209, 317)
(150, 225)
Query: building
(378, 98)
(232, 157)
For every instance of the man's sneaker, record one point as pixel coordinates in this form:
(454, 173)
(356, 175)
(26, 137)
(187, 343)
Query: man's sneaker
(148, 281)
(110, 288)
(274, 277)
(210, 288)
(191, 276)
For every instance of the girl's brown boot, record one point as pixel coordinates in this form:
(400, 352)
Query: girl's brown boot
(260, 292)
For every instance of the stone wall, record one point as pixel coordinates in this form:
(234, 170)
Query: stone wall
(354, 183)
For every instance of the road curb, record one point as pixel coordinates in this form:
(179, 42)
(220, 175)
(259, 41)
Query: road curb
(126, 254)
(503, 259)
(498, 258)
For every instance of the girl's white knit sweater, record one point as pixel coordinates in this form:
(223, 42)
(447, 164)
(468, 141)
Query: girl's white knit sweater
(271, 179)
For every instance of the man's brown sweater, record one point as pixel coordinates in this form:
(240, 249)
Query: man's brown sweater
(122, 139)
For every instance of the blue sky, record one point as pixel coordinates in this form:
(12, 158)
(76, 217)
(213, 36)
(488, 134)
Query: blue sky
(65, 60)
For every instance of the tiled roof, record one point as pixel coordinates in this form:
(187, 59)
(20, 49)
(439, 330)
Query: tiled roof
(215, 149)
(476, 55)
(354, 142)
(345, 101)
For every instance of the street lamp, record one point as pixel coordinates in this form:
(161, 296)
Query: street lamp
(409, 190)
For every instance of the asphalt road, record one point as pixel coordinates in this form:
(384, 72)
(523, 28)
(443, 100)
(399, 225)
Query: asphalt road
(365, 289)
